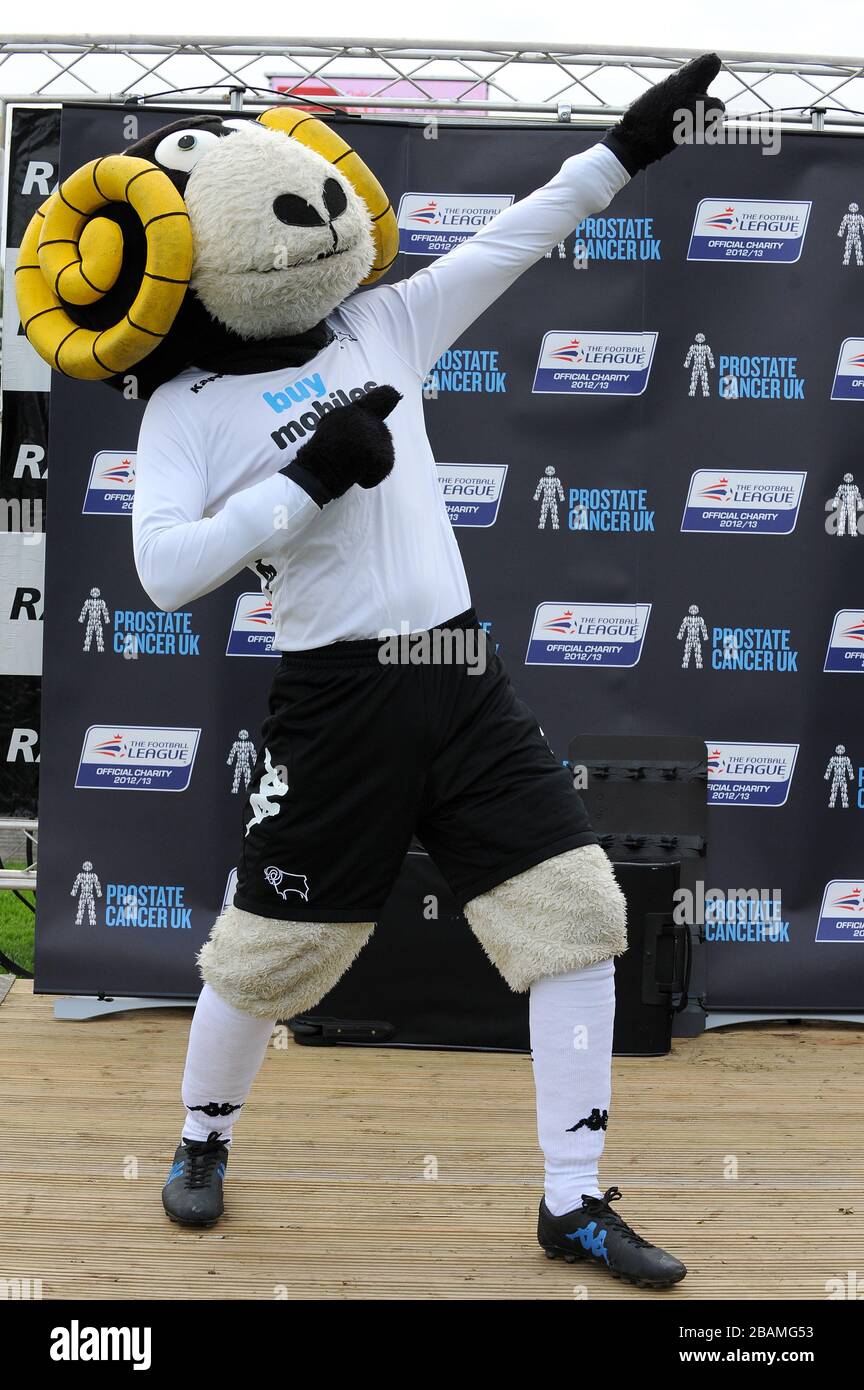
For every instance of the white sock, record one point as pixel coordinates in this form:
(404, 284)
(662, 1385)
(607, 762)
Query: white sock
(226, 1049)
(571, 1018)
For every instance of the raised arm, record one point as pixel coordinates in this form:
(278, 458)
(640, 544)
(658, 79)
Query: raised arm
(423, 315)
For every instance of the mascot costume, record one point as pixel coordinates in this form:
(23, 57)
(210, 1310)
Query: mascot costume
(217, 263)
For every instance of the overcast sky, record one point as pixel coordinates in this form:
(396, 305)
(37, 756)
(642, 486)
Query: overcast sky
(829, 27)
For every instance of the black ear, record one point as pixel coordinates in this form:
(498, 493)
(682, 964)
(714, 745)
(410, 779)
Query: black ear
(145, 148)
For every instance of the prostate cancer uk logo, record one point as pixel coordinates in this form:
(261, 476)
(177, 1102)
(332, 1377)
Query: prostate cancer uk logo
(430, 224)
(841, 916)
(587, 634)
(758, 231)
(252, 632)
(137, 758)
(750, 774)
(848, 382)
(111, 486)
(738, 502)
(584, 362)
(846, 644)
(472, 492)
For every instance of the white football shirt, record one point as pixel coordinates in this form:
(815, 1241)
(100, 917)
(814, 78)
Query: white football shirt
(209, 496)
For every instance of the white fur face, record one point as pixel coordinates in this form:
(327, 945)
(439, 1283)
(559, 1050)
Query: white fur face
(280, 236)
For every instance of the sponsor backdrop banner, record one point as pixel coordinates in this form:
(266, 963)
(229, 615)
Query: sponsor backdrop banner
(650, 448)
(30, 176)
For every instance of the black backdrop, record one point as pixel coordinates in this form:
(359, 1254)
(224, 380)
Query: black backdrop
(163, 858)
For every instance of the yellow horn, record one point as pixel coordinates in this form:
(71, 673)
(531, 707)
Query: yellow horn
(324, 141)
(69, 253)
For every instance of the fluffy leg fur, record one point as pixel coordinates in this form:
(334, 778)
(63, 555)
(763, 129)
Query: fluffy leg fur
(564, 914)
(271, 968)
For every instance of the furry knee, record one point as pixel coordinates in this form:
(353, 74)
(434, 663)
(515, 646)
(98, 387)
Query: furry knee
(276, 969)
(564, 914)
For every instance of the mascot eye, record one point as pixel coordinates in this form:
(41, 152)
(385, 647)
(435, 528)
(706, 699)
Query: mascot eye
(335, 200)
(183, 149)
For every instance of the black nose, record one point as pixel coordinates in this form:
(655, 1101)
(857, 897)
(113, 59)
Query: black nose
(294, 211)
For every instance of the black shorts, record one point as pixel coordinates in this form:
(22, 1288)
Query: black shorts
(358, 757)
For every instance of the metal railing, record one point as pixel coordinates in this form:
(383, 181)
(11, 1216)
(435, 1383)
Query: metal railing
(21, 880)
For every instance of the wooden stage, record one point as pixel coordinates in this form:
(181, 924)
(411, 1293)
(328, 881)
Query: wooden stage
(332, 1185)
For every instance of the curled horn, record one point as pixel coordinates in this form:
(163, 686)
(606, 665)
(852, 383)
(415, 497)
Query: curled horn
(317, 136)
(71, 258)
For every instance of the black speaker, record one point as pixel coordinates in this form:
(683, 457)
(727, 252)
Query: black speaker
(647, 797)
(424, 980)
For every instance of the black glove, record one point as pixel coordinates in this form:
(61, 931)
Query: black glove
(646, 130)
(350, 445)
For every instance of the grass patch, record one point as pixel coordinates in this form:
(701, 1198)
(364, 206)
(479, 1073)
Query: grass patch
(16, 928)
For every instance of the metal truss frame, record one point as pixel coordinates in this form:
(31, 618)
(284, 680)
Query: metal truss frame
(578, 84)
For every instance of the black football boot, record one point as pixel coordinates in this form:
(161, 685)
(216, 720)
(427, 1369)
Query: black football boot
(597, 1233)
(192, 1196)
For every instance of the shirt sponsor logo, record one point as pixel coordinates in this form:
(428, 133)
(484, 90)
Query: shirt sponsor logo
(841, 916)
(762, 503)
(587, 634)
(111, 487)
(320, 405)
(252, 631)
(472, 492)
(430, 224)
(750, 774)
(589, 363)
(137, 758)
(759, 230)
(849, 372)
(846, 643)
(305, 388)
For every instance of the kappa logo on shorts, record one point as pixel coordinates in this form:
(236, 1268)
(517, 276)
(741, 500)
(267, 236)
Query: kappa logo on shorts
(286, 883)
(271, 784)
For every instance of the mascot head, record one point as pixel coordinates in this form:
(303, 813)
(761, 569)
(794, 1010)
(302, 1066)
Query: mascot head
(203, 237)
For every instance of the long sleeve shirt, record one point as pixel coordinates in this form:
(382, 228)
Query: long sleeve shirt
(210, 498)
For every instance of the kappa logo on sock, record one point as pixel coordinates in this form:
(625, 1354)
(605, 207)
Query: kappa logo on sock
(598, 1119)
(213, 1108)
(286, 883)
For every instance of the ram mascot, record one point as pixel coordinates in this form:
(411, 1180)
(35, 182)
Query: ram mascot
(223, 266)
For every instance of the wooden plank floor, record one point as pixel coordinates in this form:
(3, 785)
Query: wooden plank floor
(332, 1188)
